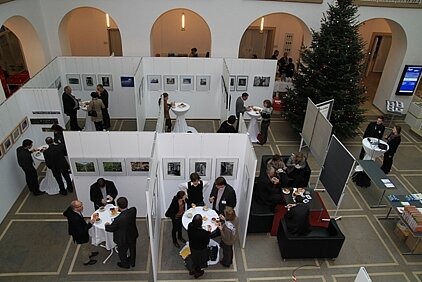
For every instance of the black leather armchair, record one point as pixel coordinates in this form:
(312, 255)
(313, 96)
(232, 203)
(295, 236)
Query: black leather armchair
(319, 243)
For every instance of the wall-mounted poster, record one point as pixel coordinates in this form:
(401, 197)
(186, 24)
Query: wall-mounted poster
(85, 167)
(242, 83)
(74, 81)
(170, 82)
(127, 81)
(7, 143)
(186, 83)
(174, 169)
(112, 166)
(203, 82)
(227, 167)
(137, 166)
(201, 166)
(261, 81)
(154, 82)
(24, 124)
(232, 83)
(89, 82)
(16, 133)
(106, 80)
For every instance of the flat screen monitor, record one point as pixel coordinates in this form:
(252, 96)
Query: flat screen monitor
(409, 80)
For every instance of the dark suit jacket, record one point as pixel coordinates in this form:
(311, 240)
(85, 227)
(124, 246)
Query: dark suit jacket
(24, 157)
(297, 219)
(104, 98)
(68, 104)
(374, 130)
(55, 157)
(173, 208)
(268, 193)
(124, 227)
(77, 226)
(225, 127)
(96, 196)
(393, 143)
(227, 199)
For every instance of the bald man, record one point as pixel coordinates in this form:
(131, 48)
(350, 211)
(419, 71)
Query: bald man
(78, 228)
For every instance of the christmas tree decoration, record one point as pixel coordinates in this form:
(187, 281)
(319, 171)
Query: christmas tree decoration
(331, 67)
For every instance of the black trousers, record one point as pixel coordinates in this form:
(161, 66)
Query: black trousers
(31, 178)
(264, 130)
(74, 121)
(124, 259)
(227, 254)
(98, 125)
(387, 163)
(58, 176)
(362, 154)
(177, 228)
(106, 118)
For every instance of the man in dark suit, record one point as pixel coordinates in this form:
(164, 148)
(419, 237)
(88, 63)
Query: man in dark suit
(25, 161)
(103, 192)
(78, 228)
(297, 217)
(55, 160)
(222, 195)
(103, 95)
(374, 129)
(71, 107)
(228, 125)
(125, 233)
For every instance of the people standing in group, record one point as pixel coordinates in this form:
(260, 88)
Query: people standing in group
(194, 189)
(71, 107)
(393, 142)
(266, 120)
(222, 195)
(198, 243)
(290, 68)
(102, 192)
(240, 107)
(175, 211)
(103, 95)
(375, 129)
(26, 162)
(78, 228)
(229, 226)
(166, 107)
(228, 125)
(55, 160)
(275, 55)
(58, 133)
(125, 233)
(193, 52)
(283, 64)
(95, 110)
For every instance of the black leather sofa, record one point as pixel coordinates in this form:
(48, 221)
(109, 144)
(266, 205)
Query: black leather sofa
(319, 243)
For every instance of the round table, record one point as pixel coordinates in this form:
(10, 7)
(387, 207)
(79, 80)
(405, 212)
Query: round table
(49, 183)
(210, 213)
(370, 145)
(89, 124)
(180, 110)
(253, 128)
(98, 232)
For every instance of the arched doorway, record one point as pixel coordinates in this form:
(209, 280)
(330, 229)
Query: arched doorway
(280, 31)
(96, 29)
(169, 38)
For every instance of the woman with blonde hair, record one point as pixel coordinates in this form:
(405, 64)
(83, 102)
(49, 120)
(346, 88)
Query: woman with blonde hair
(229, 227)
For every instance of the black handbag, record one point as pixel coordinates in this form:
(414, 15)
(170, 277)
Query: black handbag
(92, 113)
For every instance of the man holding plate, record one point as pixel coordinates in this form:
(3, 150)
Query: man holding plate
(103, 192)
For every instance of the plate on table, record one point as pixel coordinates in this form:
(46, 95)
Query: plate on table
(286, 191)
(205, 208)
(189, 215)
(204, 218)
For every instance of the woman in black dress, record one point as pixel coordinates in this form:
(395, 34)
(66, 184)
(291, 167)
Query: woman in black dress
(175, 212)
(393, 141)
(198, 243)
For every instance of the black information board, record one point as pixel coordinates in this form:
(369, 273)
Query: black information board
(43, 120)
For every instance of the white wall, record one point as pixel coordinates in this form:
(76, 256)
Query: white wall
(139, 97)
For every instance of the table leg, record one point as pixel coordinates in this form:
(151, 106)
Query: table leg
(387, 217)
(379, 202)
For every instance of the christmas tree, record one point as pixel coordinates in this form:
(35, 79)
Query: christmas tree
(332, 68)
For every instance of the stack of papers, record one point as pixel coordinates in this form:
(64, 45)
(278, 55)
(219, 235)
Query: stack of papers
(387, 183)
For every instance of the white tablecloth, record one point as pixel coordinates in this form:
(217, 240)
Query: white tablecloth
(210, 213)
(98, 232)
(253, 128)
(370, 145)
(180, 110)
(89, 124)
(49, 183)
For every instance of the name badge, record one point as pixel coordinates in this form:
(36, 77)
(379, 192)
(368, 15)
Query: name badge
(223, 202)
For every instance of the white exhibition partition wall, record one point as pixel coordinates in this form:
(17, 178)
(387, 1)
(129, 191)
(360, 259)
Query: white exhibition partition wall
(139, 97)
(225, 93)
(252, 68)
(121, 99)
(204, 104)
(116, 146)
(48, 77)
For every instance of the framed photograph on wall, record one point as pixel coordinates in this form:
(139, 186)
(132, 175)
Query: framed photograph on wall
(174, 169)
(186, 83)
(261, 81)
(242, 83)
(74, 81)
(112, 166)
(202, 166)
(7, 144)
(16, 133)
(203, 82)
(85, 167)
(170, 82)
(137, 166)
(154, 82)
(24, 124)
(227, 167)
(232, 83)
(127, 81)
(106, 80)
(89, 82)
